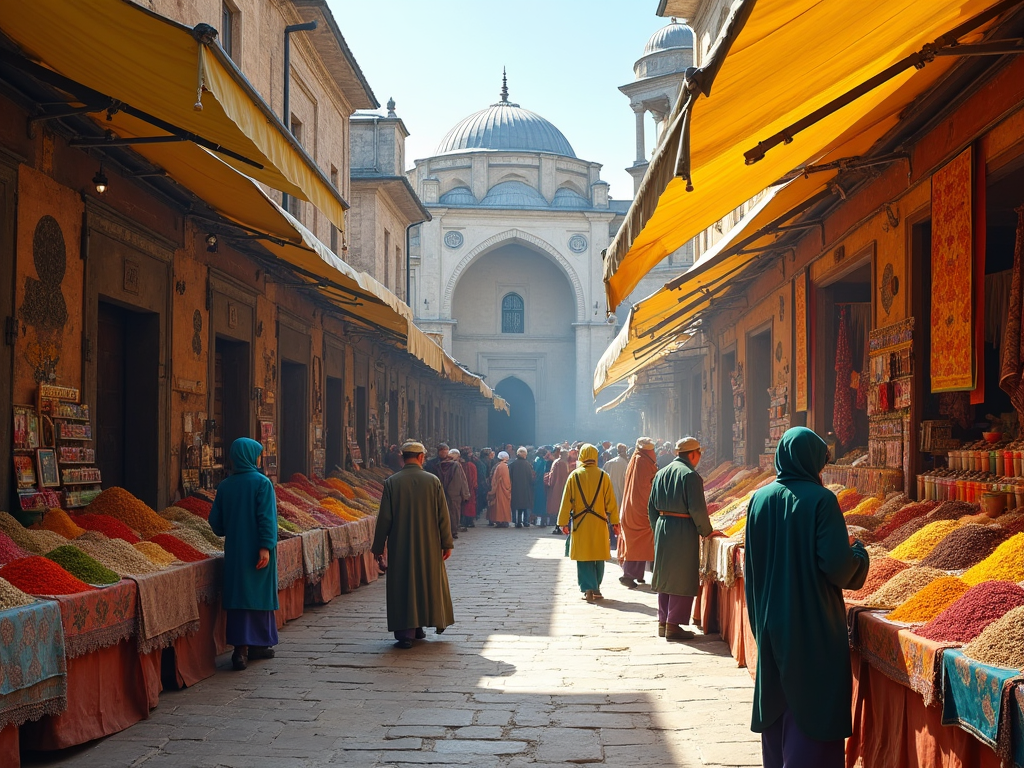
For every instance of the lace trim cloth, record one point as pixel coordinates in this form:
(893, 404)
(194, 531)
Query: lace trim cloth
(167, 607)
(33, 668)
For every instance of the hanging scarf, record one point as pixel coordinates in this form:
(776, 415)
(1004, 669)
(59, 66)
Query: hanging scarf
(1011, 371)
(842, 416)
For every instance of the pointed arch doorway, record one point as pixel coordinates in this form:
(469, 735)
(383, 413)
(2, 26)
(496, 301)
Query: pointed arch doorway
(520, 427)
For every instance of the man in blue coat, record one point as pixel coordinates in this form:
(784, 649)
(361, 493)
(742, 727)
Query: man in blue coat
(245, 514)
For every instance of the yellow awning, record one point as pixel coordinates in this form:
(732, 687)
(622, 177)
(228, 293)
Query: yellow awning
(620, 398)
(827, 47)
(156, 66)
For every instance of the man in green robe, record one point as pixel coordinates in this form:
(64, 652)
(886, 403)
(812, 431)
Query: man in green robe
(414, 525)
(679, 517)
(799, 558)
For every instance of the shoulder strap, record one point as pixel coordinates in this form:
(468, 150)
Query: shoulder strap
(588, 507)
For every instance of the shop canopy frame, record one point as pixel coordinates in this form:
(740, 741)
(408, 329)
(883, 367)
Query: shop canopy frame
(152, 80)
(841, 80)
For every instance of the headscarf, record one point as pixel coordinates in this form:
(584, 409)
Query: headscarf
(801, 455)
(588, 454)
(503, 456)
(245, 452)
(454, 453)
(644, 442)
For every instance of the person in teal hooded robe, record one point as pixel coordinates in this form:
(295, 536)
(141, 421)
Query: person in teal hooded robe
(799, 558)
(245, 514)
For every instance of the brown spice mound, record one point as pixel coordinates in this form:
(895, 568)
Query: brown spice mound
(902, 586)
(12, 597)
(965, 547)
(954, 510)
(1001, 643)
(904, 532)
(981, 605)
(903, 516)
(879, 572)
(928, 603)
(892, 505)
(869, 522)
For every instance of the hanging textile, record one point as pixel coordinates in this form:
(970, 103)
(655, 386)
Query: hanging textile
(1011, 370)
(842, 416)
(980, 224)
(802, 341)
(952, 343)
(997, 305)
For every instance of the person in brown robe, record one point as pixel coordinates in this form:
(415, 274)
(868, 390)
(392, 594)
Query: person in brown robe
(501, 489)
(636, 542)
(555, 480)
(456, 488)
(469, 505)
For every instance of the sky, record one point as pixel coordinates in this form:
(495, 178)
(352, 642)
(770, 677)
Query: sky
(441, 60)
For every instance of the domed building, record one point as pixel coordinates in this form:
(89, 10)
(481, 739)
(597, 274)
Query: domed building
(507, 273)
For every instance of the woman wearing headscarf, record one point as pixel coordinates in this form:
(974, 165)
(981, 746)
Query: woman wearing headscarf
(245, 514)
(501, 489)
(636, 544)
(799, 557)
(588, 507)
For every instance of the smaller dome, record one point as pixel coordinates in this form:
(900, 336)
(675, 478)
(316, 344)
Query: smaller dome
(514, 194)
(458, 196)
(675, 35)
(567, 198)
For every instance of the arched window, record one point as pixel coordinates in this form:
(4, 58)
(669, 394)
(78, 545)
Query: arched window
(512, 314)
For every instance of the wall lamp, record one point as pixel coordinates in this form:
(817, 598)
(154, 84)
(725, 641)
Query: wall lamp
(212, 243)
(100, 180)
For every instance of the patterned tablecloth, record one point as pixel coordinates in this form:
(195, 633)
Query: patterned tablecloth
(351, 539)
(289, 561)
(316, 554)
(1017, 726)
(899, 654)
(980, 699)
(33, 669)
(98, 618)
(209, 576)
(168, 608)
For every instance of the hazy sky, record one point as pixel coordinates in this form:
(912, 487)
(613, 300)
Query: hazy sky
(441, 60)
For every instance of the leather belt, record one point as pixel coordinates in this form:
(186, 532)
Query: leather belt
(673, 514)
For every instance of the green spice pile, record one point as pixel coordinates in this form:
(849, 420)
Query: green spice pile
(12, 597)
(39, 576)
(82, 566)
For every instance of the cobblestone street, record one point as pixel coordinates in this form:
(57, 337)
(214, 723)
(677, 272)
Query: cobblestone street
(530, 675)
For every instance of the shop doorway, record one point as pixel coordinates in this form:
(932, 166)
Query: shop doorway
(8, 185)
(294, 421)
(759, 380)
(725, 397)
(127, 400)
(519, 428)
(230, 398)
(361, 417)
(845, 300)
(334, 424)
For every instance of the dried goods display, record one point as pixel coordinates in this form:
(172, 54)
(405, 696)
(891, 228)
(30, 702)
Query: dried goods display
(930, 601)
(1005, 563)
(82, 566)
(119, 503)
(880, 571)
(920, 543)
(1001, 643)
(38, 576)
(964, 619)
(12, 597)
(903, 586)
(107, 525)
(965, 547)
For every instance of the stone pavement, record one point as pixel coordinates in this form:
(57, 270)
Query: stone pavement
(530, 675)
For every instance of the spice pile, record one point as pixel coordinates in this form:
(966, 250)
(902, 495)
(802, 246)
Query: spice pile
(903, 516)
(1006, 563)
(82, 566)
(918, 545)
(954, 510)
(117, 555)
(196, 523)
(902, 586)
(1001, 643)
(12, 597)
(41, 542)
(156, 554)
(964, 547)
(193, 539)
(184, 552)
(17, 532)
(902, 533)
(929, 602)
(879, 572)
(9, 550)
(39, 576)
(196, 506)
(109, 526)
(58, 521)
(119, 503)
(964, 620)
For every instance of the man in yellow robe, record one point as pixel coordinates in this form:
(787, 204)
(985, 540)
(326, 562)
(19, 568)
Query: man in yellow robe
(588, 506)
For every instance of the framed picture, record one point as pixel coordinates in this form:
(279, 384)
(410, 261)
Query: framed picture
(46, 461)
(26, 428)
(24, 471)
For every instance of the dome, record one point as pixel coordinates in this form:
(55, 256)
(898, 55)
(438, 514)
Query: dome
(567, 198)
(514, 194)
(675, 35)
(506, 126)
(458, 196)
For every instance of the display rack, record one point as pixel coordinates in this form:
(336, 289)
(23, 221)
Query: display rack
(739, 441)
(62, 412)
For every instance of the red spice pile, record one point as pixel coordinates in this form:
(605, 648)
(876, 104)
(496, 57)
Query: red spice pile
(39, 576)
(965, 619)
(9, 550)
(904, 516)
(196, 506)
(109, 526)
(880, 571)
(180, 549)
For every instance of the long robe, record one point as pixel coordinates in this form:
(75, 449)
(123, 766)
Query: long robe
(588, 538)
(540, 491)
(798, 560)
(521, 474)
(555, 482)
(245, 514)
(616, 469)
(677, 488)
(502, 487)
(414, 525)
(469, 505)
(456, 488)
(637, 537)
